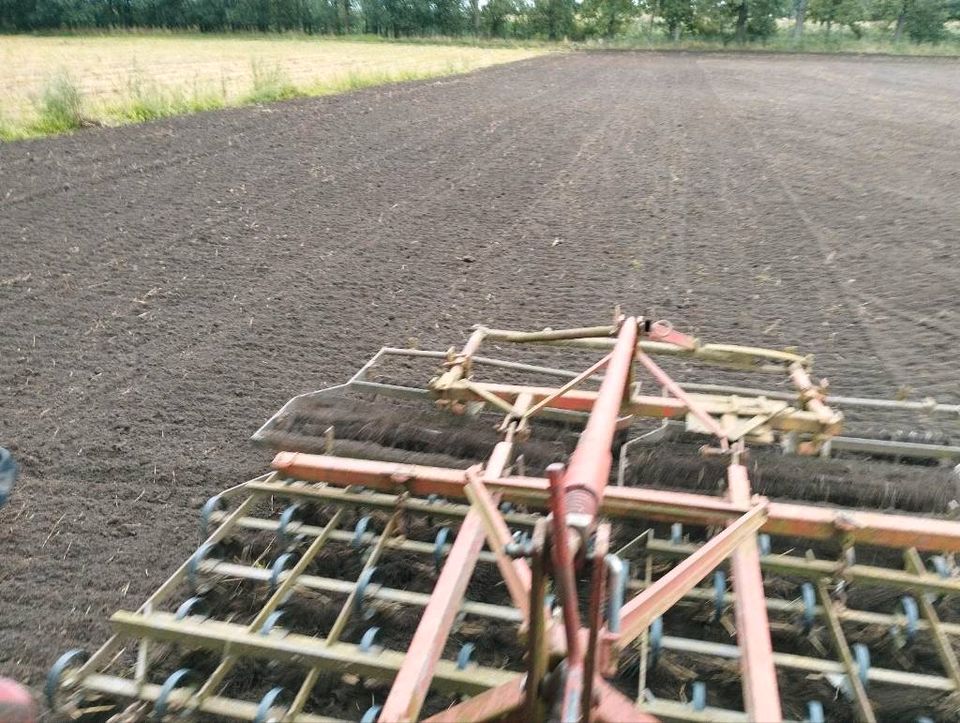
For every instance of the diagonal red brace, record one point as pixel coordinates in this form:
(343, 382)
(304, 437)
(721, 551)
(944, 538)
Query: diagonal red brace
(516, 573)
(653, 602)
(413, 680)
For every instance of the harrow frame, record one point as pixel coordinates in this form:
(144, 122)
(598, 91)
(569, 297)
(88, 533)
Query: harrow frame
(570, 658)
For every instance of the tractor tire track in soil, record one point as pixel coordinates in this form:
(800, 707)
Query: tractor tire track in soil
(164, 288)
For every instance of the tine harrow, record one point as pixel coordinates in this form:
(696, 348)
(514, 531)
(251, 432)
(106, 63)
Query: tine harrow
(514, 586)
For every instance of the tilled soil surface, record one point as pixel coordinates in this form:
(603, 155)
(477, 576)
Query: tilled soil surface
(164, 288)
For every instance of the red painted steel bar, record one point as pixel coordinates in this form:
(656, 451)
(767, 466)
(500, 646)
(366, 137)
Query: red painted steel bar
(410, 687)
(655, 600)
(412, 683)
(563, 575)
(516, 573)
(489, 705)
(675, 389)
(589, 468)
(807, 521)
(612, 706)
(761, 695)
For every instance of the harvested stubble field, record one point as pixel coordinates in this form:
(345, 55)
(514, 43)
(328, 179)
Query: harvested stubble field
(122, 77)
(166, 287)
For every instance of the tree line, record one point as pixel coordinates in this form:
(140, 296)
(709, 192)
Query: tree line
(740, 20)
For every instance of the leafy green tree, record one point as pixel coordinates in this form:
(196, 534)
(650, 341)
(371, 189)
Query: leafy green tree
(496, 17)
(920, 20)
(677, 15)
(607, 18)
(838, 12)
(449, 17)
(553, 19)
(754, 19)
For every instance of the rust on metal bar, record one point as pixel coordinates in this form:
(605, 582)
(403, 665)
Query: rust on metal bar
(637, 615)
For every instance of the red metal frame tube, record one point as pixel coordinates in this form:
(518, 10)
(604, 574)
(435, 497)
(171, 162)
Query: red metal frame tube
(516, 573)
(807, 521)
(655, 600)
(413, 680)
(562, 563)
(410, 686)
(677, 391)
(489, 705)
(589, 467)
(761, 695)
(612, 706)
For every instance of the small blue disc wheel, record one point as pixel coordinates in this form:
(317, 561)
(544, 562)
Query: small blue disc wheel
(699, 695)
(809, 596)
(465, 656)
(210, 507)
(177, 679)
(815, 712)
(265, 708)
(719, 594)
(8, 475)
(861, 654)
(371, 714)
(65, 662)
(656, 640)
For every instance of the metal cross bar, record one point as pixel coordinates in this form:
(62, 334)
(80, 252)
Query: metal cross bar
(348, 606)
(760, 692)
(302, 650)
(345, 587)
(805, 663)
(229, 708)
(948, 658)
(410, 687)
(812, 569)
(859, 692)
(795, 520)
(637, 615)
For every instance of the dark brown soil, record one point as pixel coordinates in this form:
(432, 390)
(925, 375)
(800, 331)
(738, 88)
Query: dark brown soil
(164, 288)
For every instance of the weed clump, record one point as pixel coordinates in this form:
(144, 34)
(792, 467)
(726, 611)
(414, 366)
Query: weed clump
(270, 83)
(60, 106)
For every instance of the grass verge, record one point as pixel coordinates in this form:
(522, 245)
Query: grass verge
(123, 78)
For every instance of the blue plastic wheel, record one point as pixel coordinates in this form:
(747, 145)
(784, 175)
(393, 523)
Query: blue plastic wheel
(64, 663)
(8, 475)
(266, 704)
